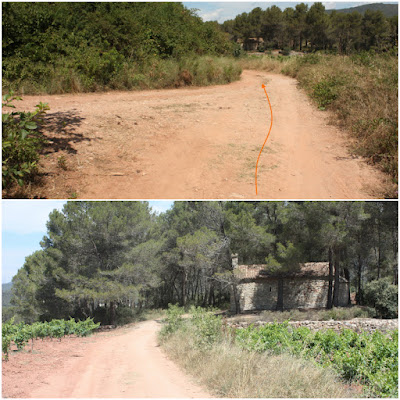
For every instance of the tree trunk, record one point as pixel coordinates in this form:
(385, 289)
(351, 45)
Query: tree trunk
(336, 287)
(347, 277)
(279, 305)
(330, 286)
(379, 249)
(112, 313)
(395, 241)
(212, 296)
(236, 298)
(359, 288)
(184, 283)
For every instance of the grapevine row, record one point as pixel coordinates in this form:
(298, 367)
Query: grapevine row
(21, 333)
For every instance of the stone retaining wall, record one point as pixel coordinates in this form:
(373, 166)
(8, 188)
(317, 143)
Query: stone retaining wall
(357, 324)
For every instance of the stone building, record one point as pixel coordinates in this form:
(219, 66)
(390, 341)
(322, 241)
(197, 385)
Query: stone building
(307, 287)
(251, 44)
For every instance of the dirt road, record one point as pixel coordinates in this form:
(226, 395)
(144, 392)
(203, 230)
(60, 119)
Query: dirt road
(199, 143)
(121, 364)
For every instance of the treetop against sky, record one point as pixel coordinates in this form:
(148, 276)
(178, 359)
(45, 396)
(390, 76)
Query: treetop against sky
(222, 11)
(24, 225)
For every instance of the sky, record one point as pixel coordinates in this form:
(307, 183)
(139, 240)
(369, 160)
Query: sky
(24, 225)
(222, 11)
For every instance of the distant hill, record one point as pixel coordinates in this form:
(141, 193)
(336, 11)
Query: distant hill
(6, 293)
(389, 10)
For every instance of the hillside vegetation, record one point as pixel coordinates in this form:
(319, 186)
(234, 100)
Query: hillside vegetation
(111, 260)
(311, 29)
(389, 10)
(74, 47)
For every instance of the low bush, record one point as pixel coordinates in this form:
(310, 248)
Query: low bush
(21, 142)
(173, 320)
(383, 297)
(326, 91)
(207, 327)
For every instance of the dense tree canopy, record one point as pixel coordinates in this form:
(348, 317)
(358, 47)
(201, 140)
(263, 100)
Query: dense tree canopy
(303, 27)
(97, 40)
(104, 259)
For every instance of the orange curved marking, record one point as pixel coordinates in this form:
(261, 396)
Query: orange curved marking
(265, 141)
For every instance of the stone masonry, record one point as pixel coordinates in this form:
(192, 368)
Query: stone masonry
(357, 324)
(305, 288)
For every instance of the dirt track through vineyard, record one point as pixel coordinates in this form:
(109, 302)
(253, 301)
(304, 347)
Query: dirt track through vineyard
(199, 143)
(126, 363)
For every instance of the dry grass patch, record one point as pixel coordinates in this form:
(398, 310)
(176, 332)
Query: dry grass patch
(266, 63)
(229, 371)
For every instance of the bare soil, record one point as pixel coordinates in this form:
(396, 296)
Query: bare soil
(198, 143)
(123, 363)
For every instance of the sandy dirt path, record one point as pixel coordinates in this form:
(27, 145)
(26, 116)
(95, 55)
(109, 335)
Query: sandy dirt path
(199, 143)
(127, 363)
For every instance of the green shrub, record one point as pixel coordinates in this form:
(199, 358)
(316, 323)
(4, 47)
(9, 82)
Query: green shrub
(207, 326)
(238, 50)
(21, 142)
(313, 58)
(383, 296)
(99, 46)
(326, 91)
(368, 359)
(173, 320)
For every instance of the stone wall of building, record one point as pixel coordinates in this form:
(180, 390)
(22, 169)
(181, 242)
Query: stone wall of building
(305, 293)
(258, 295)
(262, 294)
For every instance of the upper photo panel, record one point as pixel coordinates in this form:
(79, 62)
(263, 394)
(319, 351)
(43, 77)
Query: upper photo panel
(117, 100)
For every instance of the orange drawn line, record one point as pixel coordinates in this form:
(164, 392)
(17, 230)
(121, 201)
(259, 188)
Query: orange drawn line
(265, 141)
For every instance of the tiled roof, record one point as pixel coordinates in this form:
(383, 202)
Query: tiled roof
(313, 269)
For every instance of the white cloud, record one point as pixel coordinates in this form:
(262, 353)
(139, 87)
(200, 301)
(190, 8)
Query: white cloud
(330, 5)
(213, 15)
(338, 5)
(27, 216)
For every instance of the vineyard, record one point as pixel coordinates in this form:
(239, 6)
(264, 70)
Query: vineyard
(20, 334)
(368, 359)
(365, 360)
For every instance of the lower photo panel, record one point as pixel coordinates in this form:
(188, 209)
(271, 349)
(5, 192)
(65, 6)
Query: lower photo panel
(199, 299)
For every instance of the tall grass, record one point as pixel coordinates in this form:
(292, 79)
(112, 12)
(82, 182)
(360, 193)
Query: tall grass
(230, 371)
(154, 74)
(362, 91)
